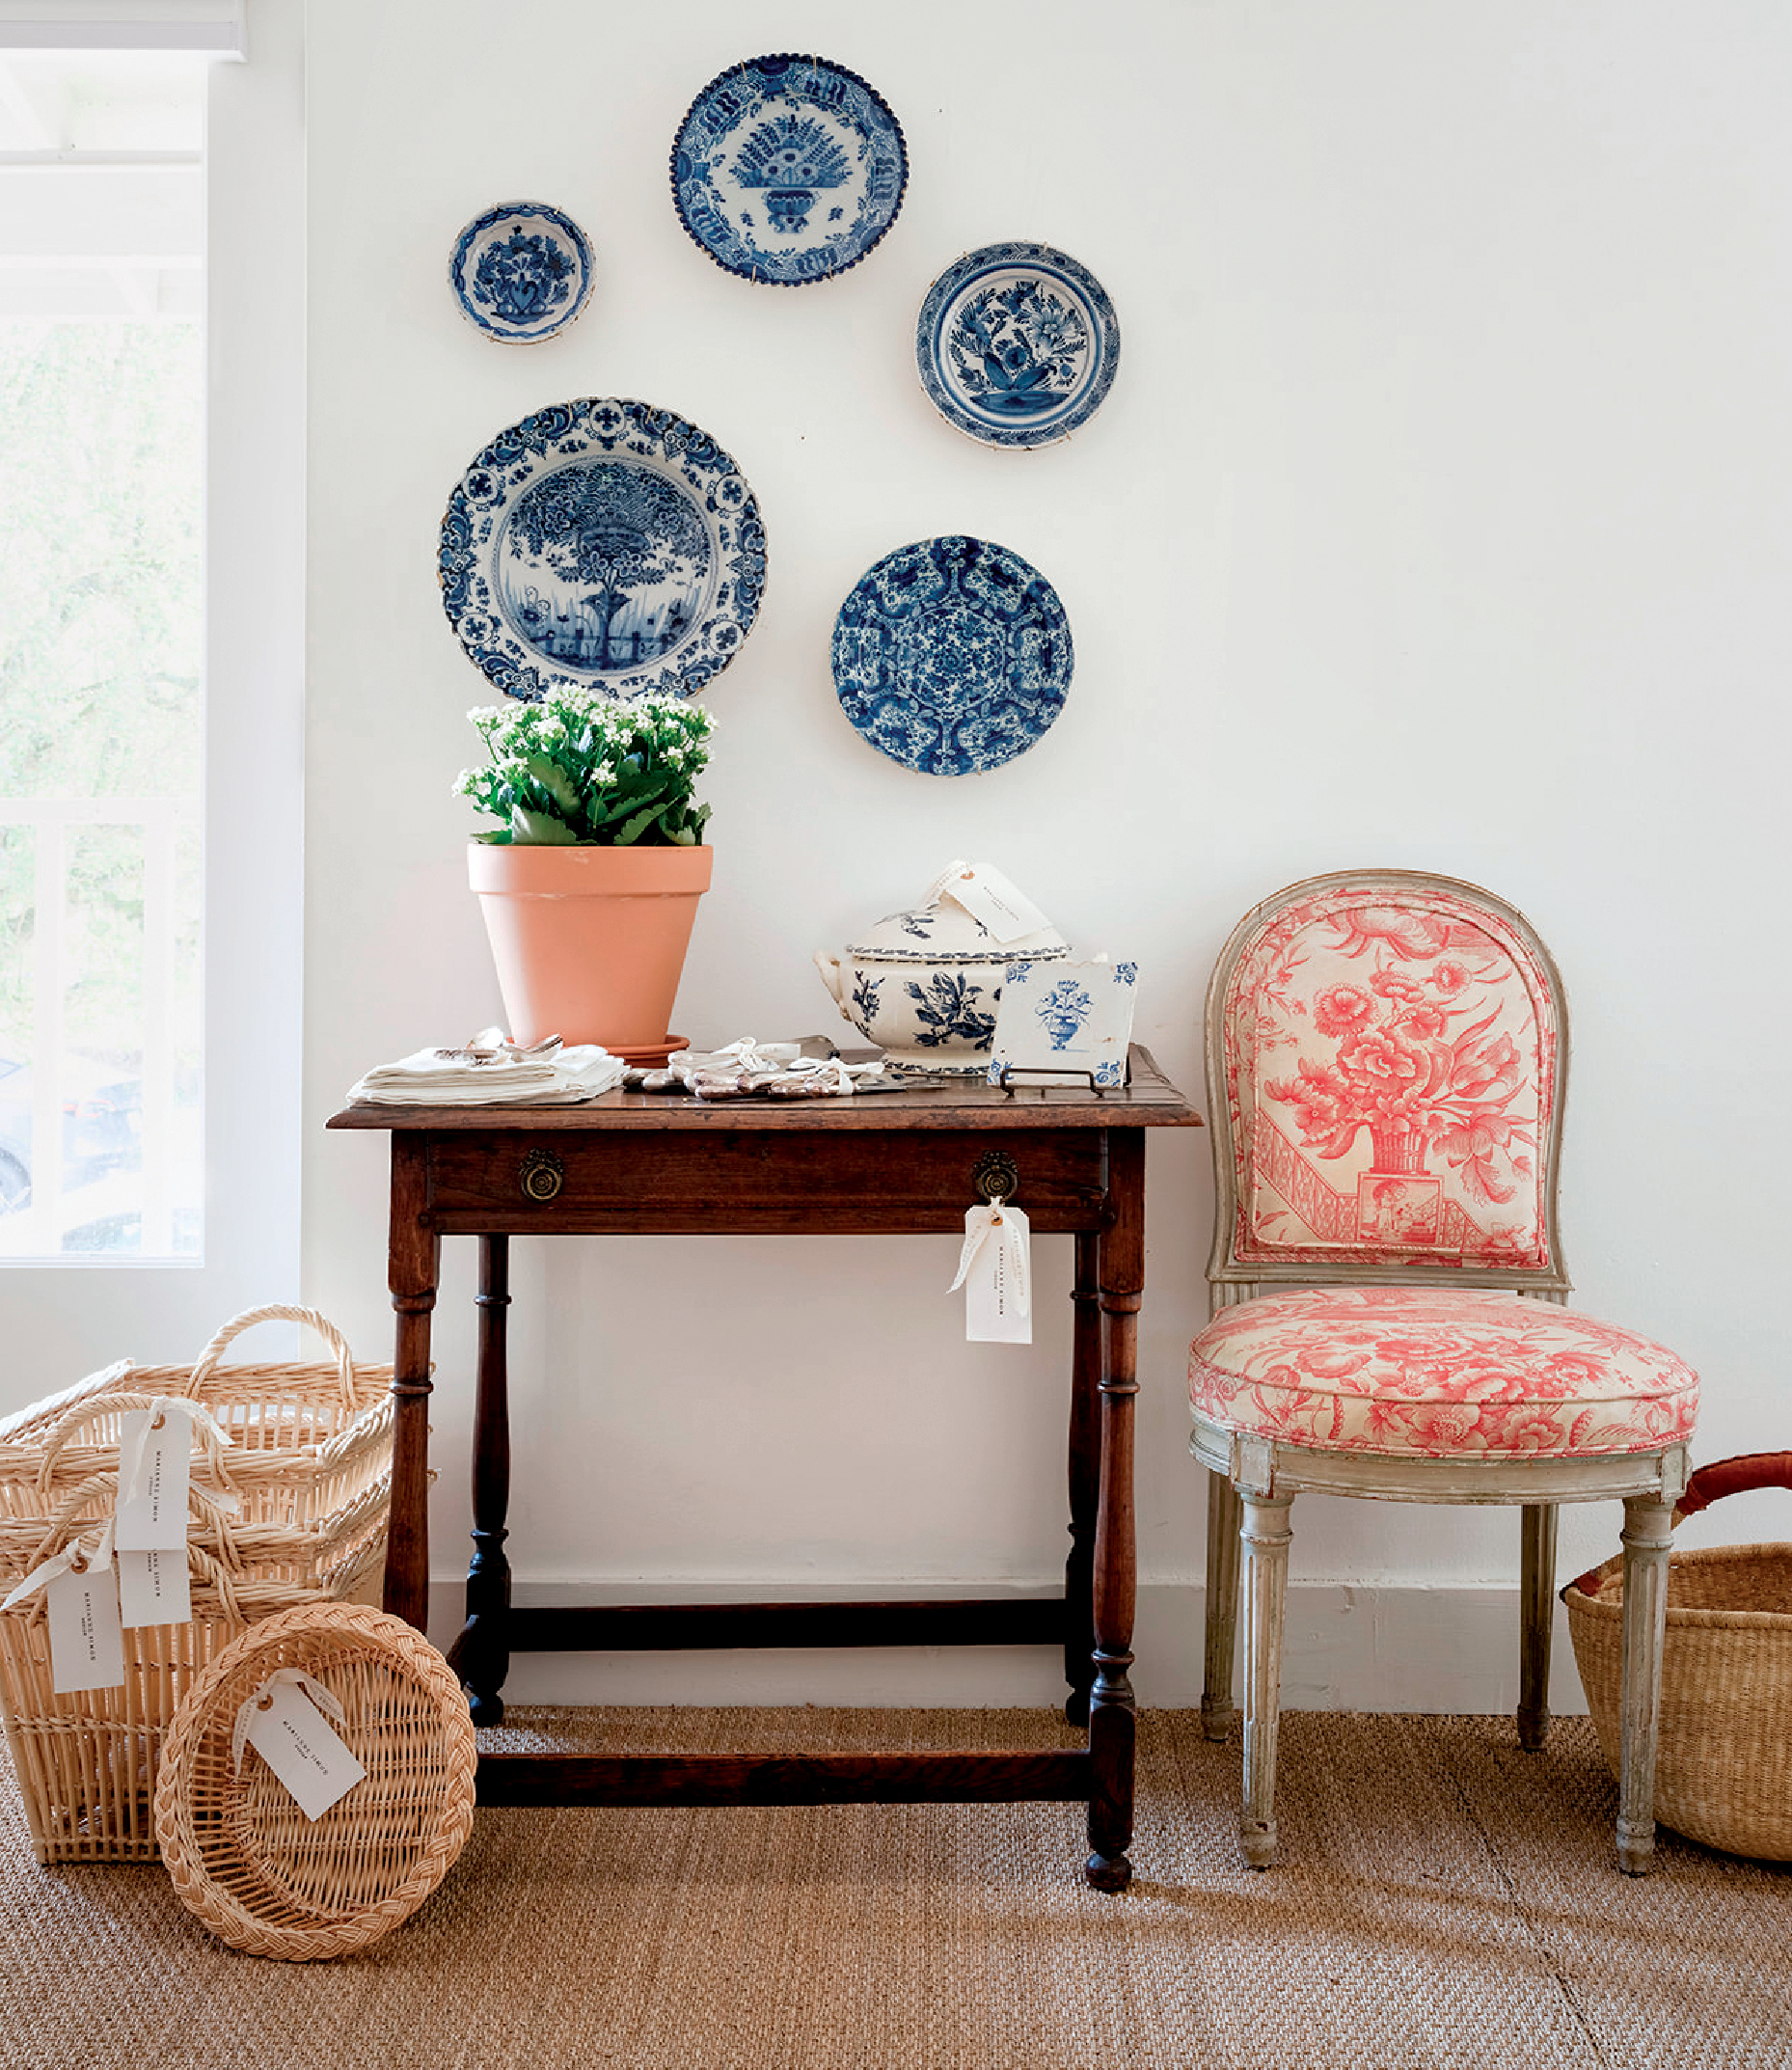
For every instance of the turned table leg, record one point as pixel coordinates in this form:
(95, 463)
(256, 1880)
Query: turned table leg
(1085, 1481)
(1113, 1721)
(482, 1654)
(412, 1271)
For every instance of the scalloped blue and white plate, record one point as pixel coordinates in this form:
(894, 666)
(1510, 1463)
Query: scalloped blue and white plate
(952, 656)
(1017, 345)
(602, 544)
(788, 168)
(522, 271)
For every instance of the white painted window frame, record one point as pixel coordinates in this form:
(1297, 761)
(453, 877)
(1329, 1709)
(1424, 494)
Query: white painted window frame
(62, 1319)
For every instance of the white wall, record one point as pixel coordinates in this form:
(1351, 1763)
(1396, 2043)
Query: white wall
(1438, 517)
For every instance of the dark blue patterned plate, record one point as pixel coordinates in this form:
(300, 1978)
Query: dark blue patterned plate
(788, 168)
(952, 656)
(603, 544)
(522, 271)
(1017, 345)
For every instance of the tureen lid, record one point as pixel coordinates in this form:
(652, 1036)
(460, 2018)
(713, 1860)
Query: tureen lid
(944, 931)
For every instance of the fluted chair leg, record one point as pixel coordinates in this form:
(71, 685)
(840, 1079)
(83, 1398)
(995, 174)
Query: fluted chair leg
(1223, 1522)
(1648, 1531)
(1265, 1536)
(1536, 1609)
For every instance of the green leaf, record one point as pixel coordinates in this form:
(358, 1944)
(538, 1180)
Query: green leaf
(558, 784)
(631, 831)
(499, 837)
(539, 829)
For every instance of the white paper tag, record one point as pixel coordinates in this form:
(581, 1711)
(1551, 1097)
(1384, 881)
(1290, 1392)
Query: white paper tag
(87, 1643)
(154, 1466)
(995, 1273)
(154, 1588)
(987, 895)
(297, 1742)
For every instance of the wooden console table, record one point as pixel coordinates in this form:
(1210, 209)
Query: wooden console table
(634, 1164)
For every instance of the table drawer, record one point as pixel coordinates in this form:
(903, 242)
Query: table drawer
(758, 1183)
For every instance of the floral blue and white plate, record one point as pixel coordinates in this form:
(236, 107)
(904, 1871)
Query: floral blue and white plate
(788, 168)
(522, 271)
(952, 656)
(1017, 345)
(602, 544)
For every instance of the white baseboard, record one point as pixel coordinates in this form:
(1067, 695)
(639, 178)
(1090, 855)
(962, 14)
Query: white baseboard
(1446, 1649)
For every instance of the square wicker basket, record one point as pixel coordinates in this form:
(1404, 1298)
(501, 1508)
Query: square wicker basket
(293, 1511)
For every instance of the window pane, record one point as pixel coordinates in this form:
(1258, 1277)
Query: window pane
(99, 782)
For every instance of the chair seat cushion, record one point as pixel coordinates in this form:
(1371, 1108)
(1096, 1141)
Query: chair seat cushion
(1438, 1374)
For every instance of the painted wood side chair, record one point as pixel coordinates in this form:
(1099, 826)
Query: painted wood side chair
(1386, 1055)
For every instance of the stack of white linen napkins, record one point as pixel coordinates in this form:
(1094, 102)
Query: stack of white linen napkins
(491, 1071)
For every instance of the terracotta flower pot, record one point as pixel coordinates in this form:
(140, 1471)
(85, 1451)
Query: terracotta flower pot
(589, 943)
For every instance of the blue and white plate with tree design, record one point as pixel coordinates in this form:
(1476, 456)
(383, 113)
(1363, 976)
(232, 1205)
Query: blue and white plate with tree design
(788, 168)
(606, 545)
(522, 271)
(952, 656)
(1017, 345)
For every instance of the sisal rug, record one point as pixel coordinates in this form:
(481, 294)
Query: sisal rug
(1443, 1900)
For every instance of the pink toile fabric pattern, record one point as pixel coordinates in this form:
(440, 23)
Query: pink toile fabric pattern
(1442, 1373)
(1390, 1060)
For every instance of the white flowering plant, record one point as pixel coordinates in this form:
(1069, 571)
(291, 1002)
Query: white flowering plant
(593, 771)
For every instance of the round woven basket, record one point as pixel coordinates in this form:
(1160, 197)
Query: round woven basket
(245, 1860)
(1723, 1764)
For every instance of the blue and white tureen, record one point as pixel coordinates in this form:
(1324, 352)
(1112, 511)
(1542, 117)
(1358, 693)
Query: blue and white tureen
(923, 985)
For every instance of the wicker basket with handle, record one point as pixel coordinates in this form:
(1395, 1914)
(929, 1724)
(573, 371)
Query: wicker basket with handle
(247, 1862)
(1724, 1768)
(293, 1511)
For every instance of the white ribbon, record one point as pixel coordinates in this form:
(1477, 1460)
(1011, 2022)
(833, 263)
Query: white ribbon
(981, 1224)
(133, 1484)
(64, 1562)
(246, 1711)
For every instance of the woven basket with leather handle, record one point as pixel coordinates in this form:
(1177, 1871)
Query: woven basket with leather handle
(1724, 1768)
(246, 1861)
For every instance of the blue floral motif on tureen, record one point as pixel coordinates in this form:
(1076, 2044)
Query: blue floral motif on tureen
(865, 992)
(522, 271)
(602, 544)
(1017, 345)
(952, 656)
(788, 168)
(947, 1014)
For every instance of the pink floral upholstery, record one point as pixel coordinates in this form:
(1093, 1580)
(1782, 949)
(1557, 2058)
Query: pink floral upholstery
(1390, 1058)
(1443, 1373)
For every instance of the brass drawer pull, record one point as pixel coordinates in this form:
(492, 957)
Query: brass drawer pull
(542, 1175)
(996, 1177)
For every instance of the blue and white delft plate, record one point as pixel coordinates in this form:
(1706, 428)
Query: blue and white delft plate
(788, 168)
(522, 271)
(602, 544)
(1017, 345)
(952, 656)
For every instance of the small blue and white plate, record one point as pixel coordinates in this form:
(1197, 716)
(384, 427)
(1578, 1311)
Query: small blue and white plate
(788, 168)
(522, 271)
(605, 545)
(952, 656)
(1017, 345)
